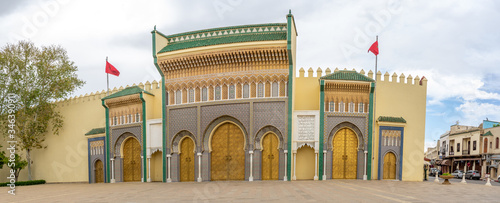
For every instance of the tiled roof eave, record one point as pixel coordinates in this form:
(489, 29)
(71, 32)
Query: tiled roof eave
(226, 39)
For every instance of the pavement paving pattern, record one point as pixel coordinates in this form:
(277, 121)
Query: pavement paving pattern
(261, 191)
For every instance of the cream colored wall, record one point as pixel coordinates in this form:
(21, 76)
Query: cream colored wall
(496, 133)
(66, 157)
(458, 138)
(305, 163)
(407, 100)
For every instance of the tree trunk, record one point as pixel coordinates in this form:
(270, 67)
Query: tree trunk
(28, 158)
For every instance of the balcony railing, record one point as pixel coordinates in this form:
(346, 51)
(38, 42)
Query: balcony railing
(452, 153)
(465, 152)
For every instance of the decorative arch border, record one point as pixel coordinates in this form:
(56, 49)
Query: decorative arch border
(209, 131)
(118, 146)
(350, 126)
(177, 139)
(382, 164)
(263, 132)
(399, 162)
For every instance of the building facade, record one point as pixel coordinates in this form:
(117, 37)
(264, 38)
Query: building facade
(231, 106)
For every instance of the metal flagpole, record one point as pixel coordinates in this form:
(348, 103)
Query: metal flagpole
(374, 109)
(376, 55)
(107, 74)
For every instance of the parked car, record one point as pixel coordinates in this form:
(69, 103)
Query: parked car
(498, 178)
(435, 171)
(457, 173)
(473, 174)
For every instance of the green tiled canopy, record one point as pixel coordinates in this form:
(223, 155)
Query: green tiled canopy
(347, 75)
(391, 119)
(127, 91)
(226, 35)
(96, 131)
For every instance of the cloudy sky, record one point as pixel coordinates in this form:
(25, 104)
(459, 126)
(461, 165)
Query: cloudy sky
(455, 44)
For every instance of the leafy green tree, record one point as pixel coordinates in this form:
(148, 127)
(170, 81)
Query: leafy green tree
(39, 77)
(17, 165)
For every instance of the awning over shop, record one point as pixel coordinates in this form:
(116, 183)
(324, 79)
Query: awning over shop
(468, 159)
(427, 163)
(438, 162)
(446, 162)
(493, 166)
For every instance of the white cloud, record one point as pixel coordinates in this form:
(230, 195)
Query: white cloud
(474, 112)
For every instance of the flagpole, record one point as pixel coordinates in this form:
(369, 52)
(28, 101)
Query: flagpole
(376, 55)
(107, 74)
(374, 104)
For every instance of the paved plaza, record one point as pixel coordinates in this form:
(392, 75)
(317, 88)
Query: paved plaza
(258, 191)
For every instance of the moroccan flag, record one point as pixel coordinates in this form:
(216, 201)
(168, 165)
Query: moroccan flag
(374, 48)
(111, 69)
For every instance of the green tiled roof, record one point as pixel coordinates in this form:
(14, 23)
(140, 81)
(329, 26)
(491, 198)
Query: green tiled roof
(96, 131)
(391, 119)
(347, 75)
(227, 28)
(488, 134)
(127, 91)
(224, 39)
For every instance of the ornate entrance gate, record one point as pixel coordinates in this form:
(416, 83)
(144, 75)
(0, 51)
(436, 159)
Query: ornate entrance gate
(390, 166)
(131, 160)
(228, 155)
(187, 160)
(99, 172)
(270, 157)
(345, 155)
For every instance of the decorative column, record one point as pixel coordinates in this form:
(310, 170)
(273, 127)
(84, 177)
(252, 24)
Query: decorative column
(474, 165)
(251, 165)
(324, 165)
(149, 168)
(315, 165)
(286, 157)
(142, 174)
(463, 174)
(365, 177)
(199, 167)
(294, 177)
(112, 170)
(169, 156)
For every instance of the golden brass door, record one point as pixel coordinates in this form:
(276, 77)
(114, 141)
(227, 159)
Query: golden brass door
(99, 172)
(187, 160)
(345, 154)
(390, 166)
(270, 157)
(228, 155)
(131, 160)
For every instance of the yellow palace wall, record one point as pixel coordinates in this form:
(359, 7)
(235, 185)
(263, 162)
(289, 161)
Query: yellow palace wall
(65, 159)
(406, 99)
(306, 95)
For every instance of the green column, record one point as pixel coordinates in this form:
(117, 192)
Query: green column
(321, 128)
(108, 165)
(290, 95)
(144, 162)
(370, 131)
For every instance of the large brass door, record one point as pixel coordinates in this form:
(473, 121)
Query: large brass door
(345, 155)
(390, 166)
(187, 160)
(99, 172)
(228, 155)
(131, 160)
(270, 157)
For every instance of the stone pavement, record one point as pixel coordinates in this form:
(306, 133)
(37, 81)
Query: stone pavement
(258, 191)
